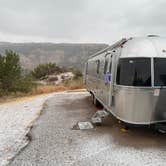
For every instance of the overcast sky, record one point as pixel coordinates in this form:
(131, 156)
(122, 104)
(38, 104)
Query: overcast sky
(101, 21)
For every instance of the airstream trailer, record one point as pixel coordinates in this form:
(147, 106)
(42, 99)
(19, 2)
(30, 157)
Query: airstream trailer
(129, 79)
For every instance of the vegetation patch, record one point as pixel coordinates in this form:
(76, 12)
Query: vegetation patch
(45, 78)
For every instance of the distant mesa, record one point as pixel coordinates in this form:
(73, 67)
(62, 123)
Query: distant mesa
(64, 54)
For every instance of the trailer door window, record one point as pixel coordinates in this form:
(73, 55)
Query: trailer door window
(110, 67)
(134, 72)
(98, 66)
(105, 66)
(160, 71)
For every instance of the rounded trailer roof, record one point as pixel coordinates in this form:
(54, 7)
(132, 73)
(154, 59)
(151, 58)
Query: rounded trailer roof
(144, 47)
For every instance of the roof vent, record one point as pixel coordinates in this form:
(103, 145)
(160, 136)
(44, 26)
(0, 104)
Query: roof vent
(153, 36)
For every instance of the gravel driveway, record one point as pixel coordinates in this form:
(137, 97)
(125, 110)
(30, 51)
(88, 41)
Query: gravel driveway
(55, 143)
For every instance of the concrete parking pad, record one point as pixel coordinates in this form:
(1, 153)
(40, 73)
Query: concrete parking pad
(55, 143)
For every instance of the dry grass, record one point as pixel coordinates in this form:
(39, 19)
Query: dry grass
(44, 89)
(48, 89)
(68, 85)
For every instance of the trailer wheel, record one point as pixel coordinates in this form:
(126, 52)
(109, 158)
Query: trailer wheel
(96, 102)
(93, 98)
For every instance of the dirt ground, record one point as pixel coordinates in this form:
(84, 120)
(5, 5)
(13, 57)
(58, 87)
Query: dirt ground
(54, 142)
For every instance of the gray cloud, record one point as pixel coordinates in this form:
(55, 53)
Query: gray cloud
(80, 20)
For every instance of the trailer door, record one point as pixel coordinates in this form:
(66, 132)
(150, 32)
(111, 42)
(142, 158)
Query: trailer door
(107, 79)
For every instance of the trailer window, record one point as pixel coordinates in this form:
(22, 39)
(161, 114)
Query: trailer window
(134, 72)
(160, 71)
(98, 66)
(86, 68)
(105, 66)
(110, 67)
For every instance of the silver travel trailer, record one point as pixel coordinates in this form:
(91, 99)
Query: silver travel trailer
(129, 79)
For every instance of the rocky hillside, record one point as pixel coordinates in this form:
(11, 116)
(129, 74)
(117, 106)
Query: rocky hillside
(69, 55)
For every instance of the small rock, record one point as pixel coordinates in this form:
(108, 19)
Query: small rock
(96, 120)
(82, 126)
(102, 113)
(85, 125)
(97, 117)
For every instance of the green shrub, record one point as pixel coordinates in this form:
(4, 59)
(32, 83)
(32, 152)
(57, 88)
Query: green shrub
(11, 79)
(25, 84)
(43, 70)
(10, 71)
(77, 73)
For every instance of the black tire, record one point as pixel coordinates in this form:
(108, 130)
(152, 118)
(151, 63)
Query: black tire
(96, 102)
(92, 97)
